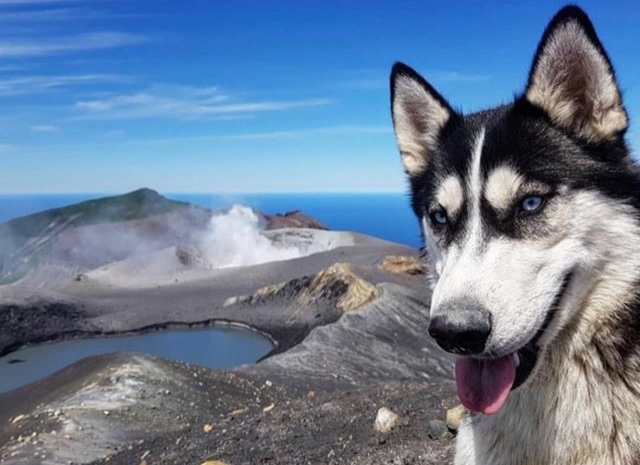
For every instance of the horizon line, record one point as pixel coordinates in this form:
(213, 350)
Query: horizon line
(221, 193)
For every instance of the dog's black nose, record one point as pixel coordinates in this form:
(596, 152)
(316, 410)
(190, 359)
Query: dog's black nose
(461, 328)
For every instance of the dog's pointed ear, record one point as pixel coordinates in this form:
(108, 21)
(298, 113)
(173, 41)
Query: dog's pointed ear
(419, 113)
(573, 81)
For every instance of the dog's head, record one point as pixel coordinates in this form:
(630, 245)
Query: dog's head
(524, 208)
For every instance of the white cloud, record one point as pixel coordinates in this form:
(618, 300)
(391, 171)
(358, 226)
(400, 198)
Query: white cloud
(22, 16)
(329, 131)
(6, 149)
(59, 45)
(182, 102)
(49, 14)
(44, 128)
(14, 67)
(345, 130)
(36, 84)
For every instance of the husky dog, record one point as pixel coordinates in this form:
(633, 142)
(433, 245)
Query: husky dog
(530, 214)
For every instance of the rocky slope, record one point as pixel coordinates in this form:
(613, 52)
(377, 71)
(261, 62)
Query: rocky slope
(292, 219)
(350, 325)
(315, 403)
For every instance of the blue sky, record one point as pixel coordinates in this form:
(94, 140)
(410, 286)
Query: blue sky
(252, 96)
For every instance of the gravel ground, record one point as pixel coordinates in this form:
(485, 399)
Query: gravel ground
(313, 401)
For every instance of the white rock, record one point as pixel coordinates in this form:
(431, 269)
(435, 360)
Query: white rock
(18, 418)
(386, 420)
(268, 408)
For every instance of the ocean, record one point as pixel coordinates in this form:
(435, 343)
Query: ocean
(387, 216)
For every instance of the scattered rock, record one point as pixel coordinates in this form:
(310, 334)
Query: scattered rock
(454, 417)
(269, 291)
(17, 419)
(234, 300)
(214, 462)
(403, 264)
(320, 394)
(386, 420)
(437, 429)
(261, 295)
(292, 219)
(338, 284)
(339, 280)
(189, 256)
(268, 408)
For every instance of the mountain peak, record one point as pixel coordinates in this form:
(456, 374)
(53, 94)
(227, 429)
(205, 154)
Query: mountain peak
(144, 191)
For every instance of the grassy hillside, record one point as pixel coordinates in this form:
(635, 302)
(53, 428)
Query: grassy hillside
(138, 204)
(24, 240)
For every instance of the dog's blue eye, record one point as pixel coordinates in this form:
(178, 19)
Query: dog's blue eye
(532, 204)
(439, 218)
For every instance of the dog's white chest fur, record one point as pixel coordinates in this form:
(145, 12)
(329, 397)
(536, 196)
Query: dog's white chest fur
(575, 412)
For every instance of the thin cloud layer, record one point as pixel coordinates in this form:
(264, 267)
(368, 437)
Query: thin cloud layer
(37, 84)
(48, 14)
(183, 103)
(15, 48)
(44, 128)
(185, 95)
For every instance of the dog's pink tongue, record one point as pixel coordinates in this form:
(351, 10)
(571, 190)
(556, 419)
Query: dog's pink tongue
(483, 385)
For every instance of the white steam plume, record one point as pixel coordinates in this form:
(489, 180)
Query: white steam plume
(237, 239)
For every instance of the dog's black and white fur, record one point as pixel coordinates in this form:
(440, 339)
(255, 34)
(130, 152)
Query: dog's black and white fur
(531, 221)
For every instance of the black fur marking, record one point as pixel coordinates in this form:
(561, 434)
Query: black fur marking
(522, 137)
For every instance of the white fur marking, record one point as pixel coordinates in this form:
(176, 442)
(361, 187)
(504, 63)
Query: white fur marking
(474, 185)
(450, 195)
(459, 261)
(502, 186)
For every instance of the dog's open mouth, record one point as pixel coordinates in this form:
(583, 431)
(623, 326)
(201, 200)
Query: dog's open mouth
(485, 383)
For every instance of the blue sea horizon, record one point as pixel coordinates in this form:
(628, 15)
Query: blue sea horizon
(384, 215)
